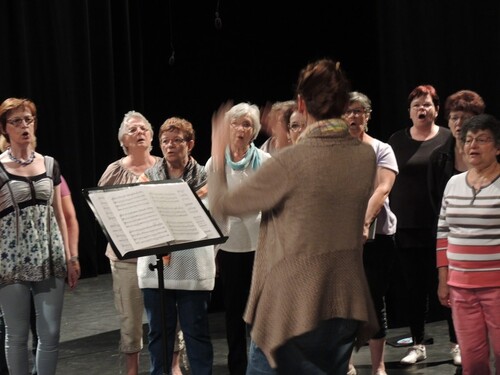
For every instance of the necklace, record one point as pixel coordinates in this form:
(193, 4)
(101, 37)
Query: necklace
(21, 162)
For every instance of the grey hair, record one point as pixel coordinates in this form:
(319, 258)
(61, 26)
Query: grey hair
(245, 109)
(359, 97)
(131, 115)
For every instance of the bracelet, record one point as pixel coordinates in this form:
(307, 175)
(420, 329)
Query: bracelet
(74, 258)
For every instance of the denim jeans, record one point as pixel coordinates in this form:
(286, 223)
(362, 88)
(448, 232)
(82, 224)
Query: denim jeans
(191, 308)
(257, 362)
(325, 350)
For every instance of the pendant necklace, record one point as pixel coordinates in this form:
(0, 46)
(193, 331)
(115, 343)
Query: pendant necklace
(21, 162)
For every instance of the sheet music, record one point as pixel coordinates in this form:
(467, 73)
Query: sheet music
(175, 215)
(135, 218)
(150, 215)
(113, 228)
(197, 213)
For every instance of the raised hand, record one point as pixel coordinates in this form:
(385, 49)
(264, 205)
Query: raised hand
(220, 135)
(267, 118)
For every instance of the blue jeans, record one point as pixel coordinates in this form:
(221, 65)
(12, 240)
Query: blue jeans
(191, 308)
(257, 362)
(325, 350)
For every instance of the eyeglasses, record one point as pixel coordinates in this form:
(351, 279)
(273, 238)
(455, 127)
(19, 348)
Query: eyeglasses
(244, 125)
(175, 141)
(18, 121)
(356, 112)
(456, 119)
(479, 140)
(296, 127)
(134, 129)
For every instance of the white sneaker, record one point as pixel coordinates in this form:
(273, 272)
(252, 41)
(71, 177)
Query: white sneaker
(415, 354)
(352, 370)
(455, 354)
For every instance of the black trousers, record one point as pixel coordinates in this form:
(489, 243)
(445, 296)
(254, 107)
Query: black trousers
(378, 259)
(416, 256)
(235, 271)
(323, 351)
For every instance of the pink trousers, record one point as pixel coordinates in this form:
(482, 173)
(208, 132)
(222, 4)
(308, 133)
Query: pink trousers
(476, 316)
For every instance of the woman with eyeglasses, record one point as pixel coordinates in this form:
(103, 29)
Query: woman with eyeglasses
(296, 123)
(34, 246)
(135, 135)
(409, 200)
(189, 275)
(236, 256)
(468, 247)
(379, 248)
(73, 230)
(449, 160)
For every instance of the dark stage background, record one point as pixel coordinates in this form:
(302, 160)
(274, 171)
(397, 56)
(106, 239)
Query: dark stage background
(87, 62)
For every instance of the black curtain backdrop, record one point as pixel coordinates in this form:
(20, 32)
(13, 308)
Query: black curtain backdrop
(87, 62)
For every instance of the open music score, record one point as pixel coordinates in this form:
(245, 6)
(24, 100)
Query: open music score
(145, 218)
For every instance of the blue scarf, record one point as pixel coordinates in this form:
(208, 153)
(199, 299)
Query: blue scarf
(252, 157)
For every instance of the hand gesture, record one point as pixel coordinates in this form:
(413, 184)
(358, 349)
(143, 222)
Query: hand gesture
(220, 135)
(267, 118)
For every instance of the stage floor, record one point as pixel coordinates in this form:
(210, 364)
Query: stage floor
(89, 339)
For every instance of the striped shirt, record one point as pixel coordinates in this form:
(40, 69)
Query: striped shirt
(468, 237)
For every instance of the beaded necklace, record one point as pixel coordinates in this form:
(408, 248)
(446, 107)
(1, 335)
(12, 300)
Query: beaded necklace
(21, 162)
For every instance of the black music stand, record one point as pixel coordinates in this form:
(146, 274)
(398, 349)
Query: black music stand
(109, 205)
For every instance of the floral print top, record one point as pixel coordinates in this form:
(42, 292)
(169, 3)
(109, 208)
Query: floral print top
(31, 245)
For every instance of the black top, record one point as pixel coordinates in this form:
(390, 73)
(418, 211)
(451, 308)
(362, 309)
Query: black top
(409, 197)
(441, 169)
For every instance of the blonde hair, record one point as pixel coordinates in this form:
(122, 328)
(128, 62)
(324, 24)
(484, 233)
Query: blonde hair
(13, 104)
(4, 143)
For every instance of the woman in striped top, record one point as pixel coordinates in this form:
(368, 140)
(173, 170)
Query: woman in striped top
(468, 246)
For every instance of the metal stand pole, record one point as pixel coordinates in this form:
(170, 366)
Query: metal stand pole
(161, 287)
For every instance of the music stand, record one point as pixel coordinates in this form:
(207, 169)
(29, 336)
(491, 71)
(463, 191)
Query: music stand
(123, 212)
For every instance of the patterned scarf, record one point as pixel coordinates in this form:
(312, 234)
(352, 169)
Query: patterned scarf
(252, 157)
(330, 128)
(194, 173)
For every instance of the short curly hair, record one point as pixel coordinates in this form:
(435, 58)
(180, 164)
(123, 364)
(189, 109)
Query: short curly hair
(465, 101)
